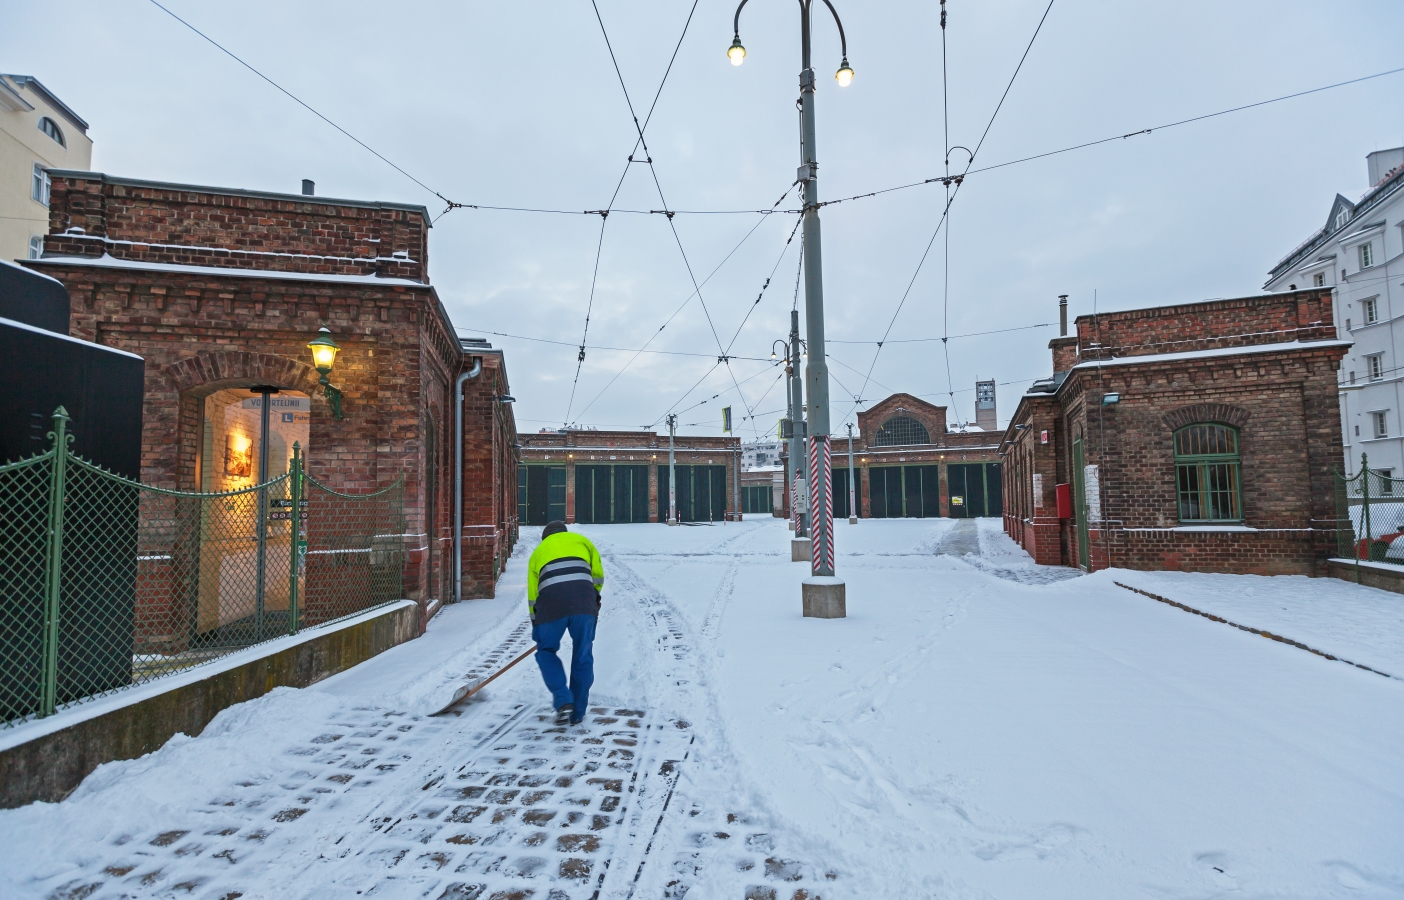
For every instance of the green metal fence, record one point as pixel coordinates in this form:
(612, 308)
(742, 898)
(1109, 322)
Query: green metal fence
(106, 582)
(1370, 506)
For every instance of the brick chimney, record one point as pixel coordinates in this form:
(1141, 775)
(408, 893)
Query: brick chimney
(1064, 348)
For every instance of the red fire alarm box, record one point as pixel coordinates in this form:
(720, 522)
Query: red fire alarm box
(1064, 495)
(1043, 437)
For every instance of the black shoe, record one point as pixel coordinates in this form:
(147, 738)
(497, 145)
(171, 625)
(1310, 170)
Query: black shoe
(575, 721)
(565, 713)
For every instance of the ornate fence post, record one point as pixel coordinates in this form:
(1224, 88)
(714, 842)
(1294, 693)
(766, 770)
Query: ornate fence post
(1365, 507)
(58, 474)
(298, 546)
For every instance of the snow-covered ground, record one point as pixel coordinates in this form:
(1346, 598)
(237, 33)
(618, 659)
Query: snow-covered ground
(977, 727)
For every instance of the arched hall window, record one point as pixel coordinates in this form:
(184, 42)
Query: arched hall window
(900, 431)
(1207, 473)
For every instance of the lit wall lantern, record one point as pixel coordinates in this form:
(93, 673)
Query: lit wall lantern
(324, 351)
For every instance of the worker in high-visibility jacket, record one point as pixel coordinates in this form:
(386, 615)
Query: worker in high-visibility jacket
(564, 581)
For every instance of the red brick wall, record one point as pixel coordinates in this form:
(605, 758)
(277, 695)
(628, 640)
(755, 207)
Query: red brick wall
(1284, 404)
(204, 331)
(1269, 319)
(188, 225)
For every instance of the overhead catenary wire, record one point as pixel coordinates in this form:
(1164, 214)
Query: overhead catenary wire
(682, 305)
(958, 181)
(604, 215)
(672, 226)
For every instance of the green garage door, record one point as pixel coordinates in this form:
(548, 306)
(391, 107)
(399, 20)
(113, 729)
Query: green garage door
(701, 493)
(841, 493)
(540, 494)
(756, 499)
(974, 490)
(896, 492)
(611, 495)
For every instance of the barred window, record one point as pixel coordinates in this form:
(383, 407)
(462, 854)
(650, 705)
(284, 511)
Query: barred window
(1207, 470)
(900, 431)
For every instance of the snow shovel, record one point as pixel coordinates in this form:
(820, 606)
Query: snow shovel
(464, 691)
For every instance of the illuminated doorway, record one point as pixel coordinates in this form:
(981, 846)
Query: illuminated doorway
(246, 539)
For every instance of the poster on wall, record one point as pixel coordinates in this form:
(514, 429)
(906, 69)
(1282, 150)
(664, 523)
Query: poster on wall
(238, 456)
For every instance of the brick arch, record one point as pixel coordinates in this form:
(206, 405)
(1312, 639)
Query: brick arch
(198, 376)
(1236, 416)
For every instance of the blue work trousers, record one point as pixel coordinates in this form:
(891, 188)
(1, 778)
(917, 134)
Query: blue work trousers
(582, 659)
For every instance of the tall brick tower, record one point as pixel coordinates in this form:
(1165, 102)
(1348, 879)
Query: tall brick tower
(985, 405)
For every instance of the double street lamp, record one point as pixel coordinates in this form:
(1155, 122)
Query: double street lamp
(824, 594)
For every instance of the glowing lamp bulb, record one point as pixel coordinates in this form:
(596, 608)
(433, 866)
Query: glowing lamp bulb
(736, 53)
(844, 75)
(324, 350)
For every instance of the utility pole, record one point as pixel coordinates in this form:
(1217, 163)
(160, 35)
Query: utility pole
(799, 463)
(823, 594)
(852, 490)
(672, 473)
(736, 481)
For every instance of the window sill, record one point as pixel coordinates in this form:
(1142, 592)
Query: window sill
(1225, 528)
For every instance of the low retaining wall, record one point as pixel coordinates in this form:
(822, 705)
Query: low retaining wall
(1377, 575)
(66, 747)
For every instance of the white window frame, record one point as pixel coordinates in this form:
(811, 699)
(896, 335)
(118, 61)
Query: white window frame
(1367, 255)
(1342, 217)
(1319, 279)
(1370, 310)
(36, 246)
(1379, 424)
(1374, 366)
(1386, 487)
(40, 184)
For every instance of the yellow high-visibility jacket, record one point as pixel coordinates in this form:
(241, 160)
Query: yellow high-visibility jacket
(564, 578)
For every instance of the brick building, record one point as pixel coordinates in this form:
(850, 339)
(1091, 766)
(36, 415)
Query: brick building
(1200, 437)
(616, 477)
(220, 291)
(909, 464)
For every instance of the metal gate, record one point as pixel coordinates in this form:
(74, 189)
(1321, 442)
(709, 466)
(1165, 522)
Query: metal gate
(896, 492)
(611, 495)
(756, 499)
(541, 494)
(107, 582)
(701, 493)
(974, 490)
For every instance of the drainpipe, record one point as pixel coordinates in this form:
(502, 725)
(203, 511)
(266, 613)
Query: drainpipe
(458, 475)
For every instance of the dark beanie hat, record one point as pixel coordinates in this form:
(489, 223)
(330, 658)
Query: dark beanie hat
(553, 528)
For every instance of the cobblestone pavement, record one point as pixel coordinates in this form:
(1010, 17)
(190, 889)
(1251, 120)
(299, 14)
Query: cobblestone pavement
(486, 801)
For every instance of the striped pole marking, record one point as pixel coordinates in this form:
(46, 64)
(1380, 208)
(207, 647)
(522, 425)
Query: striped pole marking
(821, 505)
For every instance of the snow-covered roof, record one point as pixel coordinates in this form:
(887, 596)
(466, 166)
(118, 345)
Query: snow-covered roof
(63, 337)
(107, 261)
(1284, 347)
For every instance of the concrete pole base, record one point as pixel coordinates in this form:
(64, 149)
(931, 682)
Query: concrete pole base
(789, 524)
(672, 521)
(853, 520)
(800, 550)
(824, 597)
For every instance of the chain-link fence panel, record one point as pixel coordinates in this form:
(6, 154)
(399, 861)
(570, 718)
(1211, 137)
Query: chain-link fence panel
(107, 582)
(354, 550)
(24, 576)
(1371, 502)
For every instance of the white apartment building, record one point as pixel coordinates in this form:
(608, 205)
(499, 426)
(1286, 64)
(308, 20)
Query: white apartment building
(760, 455)
(37, 133)
(1359, 253)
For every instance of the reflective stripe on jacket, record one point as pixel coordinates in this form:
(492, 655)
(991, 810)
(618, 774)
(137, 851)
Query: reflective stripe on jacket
(564, 578)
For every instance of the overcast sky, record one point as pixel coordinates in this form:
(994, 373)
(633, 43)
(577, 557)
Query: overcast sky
(495, 105)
